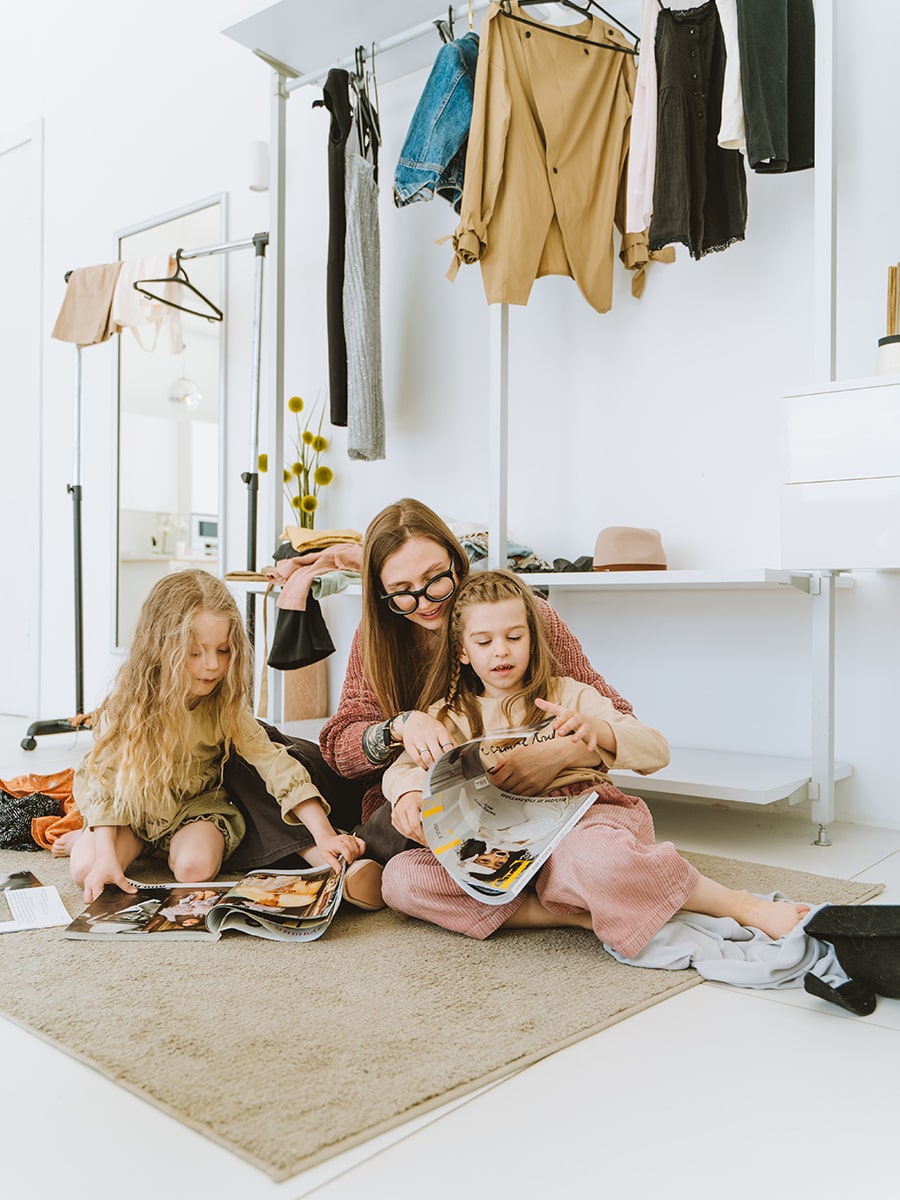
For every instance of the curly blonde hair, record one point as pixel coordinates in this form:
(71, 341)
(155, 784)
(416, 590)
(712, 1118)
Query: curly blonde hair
(456, 683)
(140, 749)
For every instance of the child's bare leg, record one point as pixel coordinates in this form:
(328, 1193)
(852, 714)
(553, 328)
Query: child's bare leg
(196, 851)
(533, 915)
(774, 917)
(127, 847)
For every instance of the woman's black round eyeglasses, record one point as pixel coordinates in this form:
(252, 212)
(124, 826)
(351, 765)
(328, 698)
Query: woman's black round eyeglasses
(438, 589)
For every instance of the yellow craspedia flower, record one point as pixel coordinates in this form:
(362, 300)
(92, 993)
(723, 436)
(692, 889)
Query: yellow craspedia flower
(295, 404)
(296, 468)
(286, 475)
(319, 443)
(309, 504)
(323, 475)
(263, 463)
(296, 502)
(307, 437)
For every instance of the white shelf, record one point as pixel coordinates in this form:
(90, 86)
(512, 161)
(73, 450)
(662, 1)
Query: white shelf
(723, 775)
(736, 579)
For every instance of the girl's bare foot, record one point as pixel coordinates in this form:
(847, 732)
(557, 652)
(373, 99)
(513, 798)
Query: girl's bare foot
(774, 917)
(62, 846)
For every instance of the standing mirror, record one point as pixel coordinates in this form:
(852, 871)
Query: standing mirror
(168, 513)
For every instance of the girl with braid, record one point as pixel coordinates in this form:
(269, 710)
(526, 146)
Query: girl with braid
(607, 874)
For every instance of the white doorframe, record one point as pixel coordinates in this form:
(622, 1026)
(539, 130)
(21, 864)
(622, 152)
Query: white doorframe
(21, 402)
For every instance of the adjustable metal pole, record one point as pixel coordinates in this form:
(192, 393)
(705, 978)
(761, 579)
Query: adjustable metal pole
(64, 724)
(251, 477)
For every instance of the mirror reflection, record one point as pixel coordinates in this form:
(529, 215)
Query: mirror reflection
(170, 422)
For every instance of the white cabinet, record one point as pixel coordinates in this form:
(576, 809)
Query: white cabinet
(841, 476)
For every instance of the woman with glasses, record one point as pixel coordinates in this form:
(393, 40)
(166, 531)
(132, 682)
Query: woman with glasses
(412, 565)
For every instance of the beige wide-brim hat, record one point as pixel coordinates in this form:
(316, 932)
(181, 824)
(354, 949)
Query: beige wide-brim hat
(623, 548)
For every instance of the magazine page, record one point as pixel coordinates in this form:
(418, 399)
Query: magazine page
(491, 842)
(282, 905)
(157, 910)
(26, 904)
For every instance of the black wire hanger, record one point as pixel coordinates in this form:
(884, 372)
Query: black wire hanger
(180, 278)
(560, 31)
(445, 28)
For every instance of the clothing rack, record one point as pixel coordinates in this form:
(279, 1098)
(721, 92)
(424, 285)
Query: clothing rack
(260, 242)
(288, 81)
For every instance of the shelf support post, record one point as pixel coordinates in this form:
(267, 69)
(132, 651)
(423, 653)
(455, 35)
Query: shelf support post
(822, 784)
(498, 439)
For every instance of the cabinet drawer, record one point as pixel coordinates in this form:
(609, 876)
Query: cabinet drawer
(842, 434)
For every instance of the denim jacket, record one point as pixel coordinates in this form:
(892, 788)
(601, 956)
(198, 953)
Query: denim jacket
(433, 158)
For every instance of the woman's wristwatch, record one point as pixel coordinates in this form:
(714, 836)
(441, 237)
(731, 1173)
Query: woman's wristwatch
(379, 741)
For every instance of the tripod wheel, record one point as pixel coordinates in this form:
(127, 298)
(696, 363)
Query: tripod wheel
(28, 743)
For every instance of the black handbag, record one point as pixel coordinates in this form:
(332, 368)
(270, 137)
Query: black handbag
(866, 940)
(300, 638)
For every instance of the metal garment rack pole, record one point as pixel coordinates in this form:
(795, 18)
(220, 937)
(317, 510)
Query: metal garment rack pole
(250, 477)
(456, 12)
(63, 724)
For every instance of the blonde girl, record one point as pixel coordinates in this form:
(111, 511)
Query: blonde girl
(178, 708)
(608, 874)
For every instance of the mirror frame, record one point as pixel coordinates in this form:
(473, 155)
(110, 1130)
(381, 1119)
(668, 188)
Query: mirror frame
(221, 199)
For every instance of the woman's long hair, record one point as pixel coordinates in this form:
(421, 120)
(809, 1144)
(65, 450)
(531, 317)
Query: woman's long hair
(456, 683)
(396, 652)
(140, 749)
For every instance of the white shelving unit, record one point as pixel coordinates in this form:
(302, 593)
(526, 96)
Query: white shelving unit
(746, 778)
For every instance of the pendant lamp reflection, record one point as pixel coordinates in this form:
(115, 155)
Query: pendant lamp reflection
(184, 392)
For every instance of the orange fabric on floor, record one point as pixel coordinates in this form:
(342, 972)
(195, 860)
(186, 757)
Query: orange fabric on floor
(45, 830)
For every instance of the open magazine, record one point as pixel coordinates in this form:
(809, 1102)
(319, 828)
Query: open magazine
(492, 842)
(26, 904)
(281, 905)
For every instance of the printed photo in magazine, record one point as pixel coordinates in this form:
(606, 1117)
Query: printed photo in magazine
(25, 903)
(492, 842)
(281, 905)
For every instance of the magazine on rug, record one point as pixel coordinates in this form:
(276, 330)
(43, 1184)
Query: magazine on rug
(492, 842)
(284, 906)
(26, 903)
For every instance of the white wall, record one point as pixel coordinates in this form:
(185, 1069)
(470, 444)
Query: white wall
(664, 412)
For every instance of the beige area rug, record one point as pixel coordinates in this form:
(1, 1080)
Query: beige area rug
(408, 1016)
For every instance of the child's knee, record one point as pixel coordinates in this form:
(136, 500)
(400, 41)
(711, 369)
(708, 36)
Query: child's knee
(195, 865)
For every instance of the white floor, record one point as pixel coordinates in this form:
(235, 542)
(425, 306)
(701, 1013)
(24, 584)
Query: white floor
(716, 1092)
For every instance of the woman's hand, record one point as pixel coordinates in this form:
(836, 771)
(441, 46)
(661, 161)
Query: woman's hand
(424, 738)
(340, 845)
(407, 817)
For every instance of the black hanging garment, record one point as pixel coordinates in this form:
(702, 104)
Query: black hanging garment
(300, 638)
(700, 190)
(777, 43)
(336, 98)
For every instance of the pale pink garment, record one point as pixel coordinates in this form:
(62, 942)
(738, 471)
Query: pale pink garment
(296, 575)
(608, 865)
